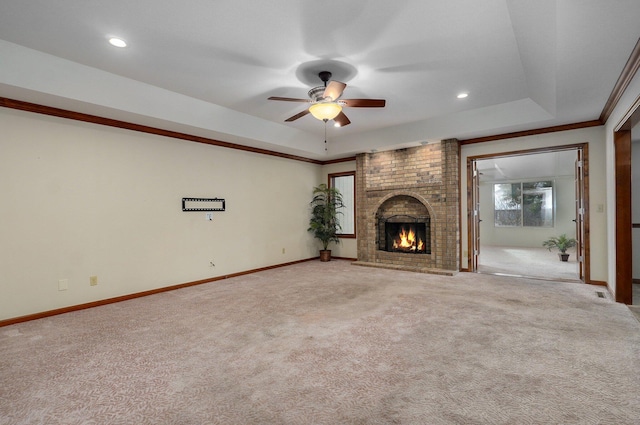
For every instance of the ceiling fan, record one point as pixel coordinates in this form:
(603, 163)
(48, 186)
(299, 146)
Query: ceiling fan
(326, 103)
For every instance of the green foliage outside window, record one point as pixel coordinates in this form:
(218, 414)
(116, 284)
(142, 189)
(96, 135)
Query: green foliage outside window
(528, 204)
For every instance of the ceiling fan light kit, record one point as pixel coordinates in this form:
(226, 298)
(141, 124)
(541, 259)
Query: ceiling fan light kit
(325, 110)
(325, 105)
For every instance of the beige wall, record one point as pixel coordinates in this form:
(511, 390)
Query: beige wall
(80, 200)
(349, 246)
(595, 137)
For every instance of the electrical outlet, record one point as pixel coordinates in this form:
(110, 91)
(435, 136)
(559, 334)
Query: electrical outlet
(211, 264)
(63, 284)
(283, 250)
(93, 280)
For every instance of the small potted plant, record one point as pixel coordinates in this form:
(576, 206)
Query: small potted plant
(561, 243)
(324, 217)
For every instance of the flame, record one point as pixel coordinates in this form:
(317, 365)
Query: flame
(407, 241)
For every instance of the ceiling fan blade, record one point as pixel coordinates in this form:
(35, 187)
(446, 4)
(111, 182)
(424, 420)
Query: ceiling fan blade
(298, 115)
(289, 99)
(342, 120)
(364, 103)
(334, 90)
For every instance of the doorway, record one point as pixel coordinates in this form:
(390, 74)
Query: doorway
(517, 200)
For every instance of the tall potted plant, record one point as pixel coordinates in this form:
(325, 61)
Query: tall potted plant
(561, 243)
(324, 223)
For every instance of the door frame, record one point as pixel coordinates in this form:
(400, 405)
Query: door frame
(472, 222)
(474, 217)
(623, 194)
(579, 188)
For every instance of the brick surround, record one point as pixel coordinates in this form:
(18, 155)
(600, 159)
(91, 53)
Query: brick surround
(415, 181)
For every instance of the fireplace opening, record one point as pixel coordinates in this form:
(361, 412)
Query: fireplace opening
(404, 234)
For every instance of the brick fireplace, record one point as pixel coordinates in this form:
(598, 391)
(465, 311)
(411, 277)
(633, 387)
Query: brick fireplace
(417, 185)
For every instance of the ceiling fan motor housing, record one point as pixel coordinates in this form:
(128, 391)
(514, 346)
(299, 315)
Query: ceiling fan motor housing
(316, 94)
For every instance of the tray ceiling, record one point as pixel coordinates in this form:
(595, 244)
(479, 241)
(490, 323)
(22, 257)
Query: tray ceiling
(207, 67)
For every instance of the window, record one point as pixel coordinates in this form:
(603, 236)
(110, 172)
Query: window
(345, 183)
(528, 204)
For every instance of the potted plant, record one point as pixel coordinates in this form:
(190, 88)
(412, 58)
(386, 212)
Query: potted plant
(561, 243)
(324, 217)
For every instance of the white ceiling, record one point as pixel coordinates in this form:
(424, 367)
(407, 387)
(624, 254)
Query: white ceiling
(207, 67)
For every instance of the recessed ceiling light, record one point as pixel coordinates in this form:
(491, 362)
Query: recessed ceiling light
(462, 95)
(118, 42)
(336, 124)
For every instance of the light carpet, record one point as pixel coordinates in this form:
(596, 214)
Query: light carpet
(331, 343)
(527, 261)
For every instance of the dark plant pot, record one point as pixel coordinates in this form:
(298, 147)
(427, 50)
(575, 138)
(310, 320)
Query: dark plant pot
(563, 256)
(325, 255)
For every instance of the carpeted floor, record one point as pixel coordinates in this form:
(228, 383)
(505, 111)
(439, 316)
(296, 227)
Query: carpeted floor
(527, 261)
(331, 343)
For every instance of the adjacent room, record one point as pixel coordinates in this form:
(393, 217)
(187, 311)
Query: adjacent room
(525, 201)
(173, 249)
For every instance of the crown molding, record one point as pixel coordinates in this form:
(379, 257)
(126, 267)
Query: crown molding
(79, 116)
(627, 74)
(564, 127)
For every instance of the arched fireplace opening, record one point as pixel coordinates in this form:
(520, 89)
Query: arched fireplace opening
(403, 226)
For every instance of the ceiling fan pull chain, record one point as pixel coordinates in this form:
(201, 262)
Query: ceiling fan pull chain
(325, 135)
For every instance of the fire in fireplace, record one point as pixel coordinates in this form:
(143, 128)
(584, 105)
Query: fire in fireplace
(401, 235)
(405, 237)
